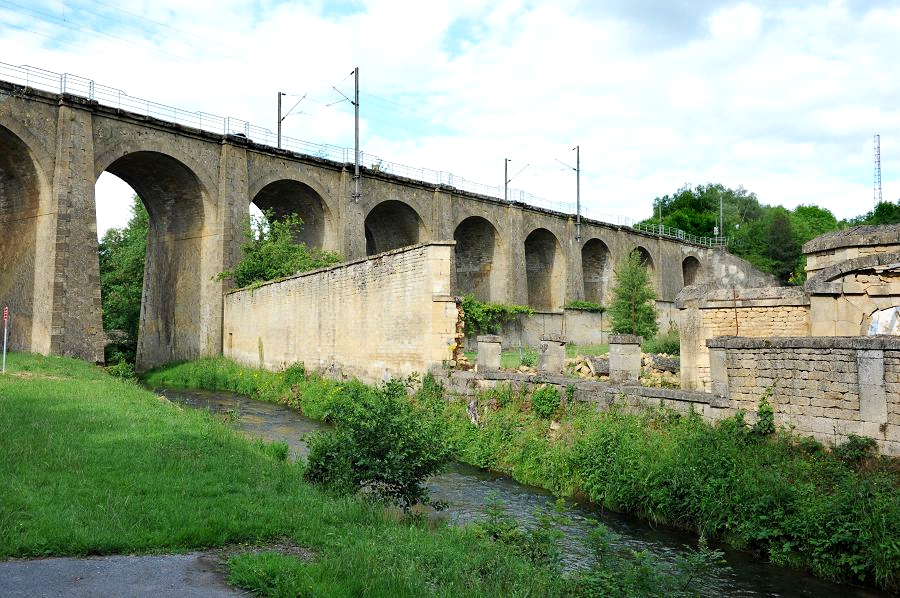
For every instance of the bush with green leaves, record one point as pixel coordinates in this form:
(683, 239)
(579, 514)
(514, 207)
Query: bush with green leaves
(633, 308)
(270, 250)
(529, 357)
(765, 417)
(668, 343)
(590, 306)
(487, 318)
(545, 401)
(380, 444)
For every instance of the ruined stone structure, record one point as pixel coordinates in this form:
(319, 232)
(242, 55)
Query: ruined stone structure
(852, 276)
(812, 350)
(373, 318)
(198, 186)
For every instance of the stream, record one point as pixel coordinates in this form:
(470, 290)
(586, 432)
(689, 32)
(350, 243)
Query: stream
(467, 489)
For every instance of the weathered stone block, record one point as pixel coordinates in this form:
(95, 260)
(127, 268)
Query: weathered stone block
(625, 358)
(552, 354)
(489, 349)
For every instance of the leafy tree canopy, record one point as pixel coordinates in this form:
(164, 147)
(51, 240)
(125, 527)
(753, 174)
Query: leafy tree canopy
(122, 252)
(884, 213)
(270, 251)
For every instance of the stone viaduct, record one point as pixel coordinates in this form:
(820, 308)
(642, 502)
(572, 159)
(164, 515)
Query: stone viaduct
(197, 187)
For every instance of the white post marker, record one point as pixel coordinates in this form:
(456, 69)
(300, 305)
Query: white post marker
(5, 334)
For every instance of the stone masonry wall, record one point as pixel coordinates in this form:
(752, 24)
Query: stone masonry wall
(388, 315)
(826, 387)
(763, 312)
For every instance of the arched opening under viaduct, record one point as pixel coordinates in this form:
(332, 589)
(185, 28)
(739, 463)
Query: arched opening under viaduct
(690, 270)
(544, 270)
(647, 262)
(392, 224)
(21, 190)
(286, 197)
(477, 259)
(170, 326)
(596, 270)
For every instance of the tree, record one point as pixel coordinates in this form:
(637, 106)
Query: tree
(122, 254)
(884, 213)
(783, 247)
(270, 251)
(633, 309)
(696, 210)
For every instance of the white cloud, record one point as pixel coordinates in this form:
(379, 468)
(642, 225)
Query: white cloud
(782, 100)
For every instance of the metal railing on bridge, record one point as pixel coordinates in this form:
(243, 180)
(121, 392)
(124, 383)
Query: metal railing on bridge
(66, 83)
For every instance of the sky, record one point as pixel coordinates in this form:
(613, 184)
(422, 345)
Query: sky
(782, 98)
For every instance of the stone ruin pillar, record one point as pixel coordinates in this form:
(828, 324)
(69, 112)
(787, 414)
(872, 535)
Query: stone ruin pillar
(488, 353)
(552, 354)
(624, 358)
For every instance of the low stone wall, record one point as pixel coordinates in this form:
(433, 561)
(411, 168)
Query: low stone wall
(601, 394)
(827, 387)
(391, 314)
(760, 312)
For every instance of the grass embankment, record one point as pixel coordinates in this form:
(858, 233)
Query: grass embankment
(94, 465)
(789, 499)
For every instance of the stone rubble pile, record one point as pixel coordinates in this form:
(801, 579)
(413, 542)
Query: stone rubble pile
(658, 371)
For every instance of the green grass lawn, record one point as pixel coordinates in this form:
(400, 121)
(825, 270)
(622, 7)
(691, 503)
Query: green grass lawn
(512, 358)
(94, 465)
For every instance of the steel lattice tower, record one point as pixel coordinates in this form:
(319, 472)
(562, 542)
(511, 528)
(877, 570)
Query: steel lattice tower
(877, 169)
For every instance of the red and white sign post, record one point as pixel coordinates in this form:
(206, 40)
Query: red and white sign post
(5, 335)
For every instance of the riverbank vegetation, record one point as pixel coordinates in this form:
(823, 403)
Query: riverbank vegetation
(95, 465)
(835, 513)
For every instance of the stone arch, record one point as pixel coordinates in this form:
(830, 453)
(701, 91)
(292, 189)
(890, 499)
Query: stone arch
(478, 259)
(175, 271)
(596, 270)
(23, 190)
(544, 270)
(691, 271)
(287, 196)
(204, 176)
(392, 224)
(646, 258)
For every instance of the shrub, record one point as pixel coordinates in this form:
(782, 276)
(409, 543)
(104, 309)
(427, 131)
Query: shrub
(855, 449)
(590, 306)
(380, 444)
(270, 251)
(123, 369)
(529, 357)
(545, 401)
(294, 373)
(668, 343)
(765, 417)
(487, 318)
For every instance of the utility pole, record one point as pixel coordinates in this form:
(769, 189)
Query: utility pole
(721, 217)
(877, 170)
(505, 179)
(279, 119)
(356, 193)
(578, 193)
